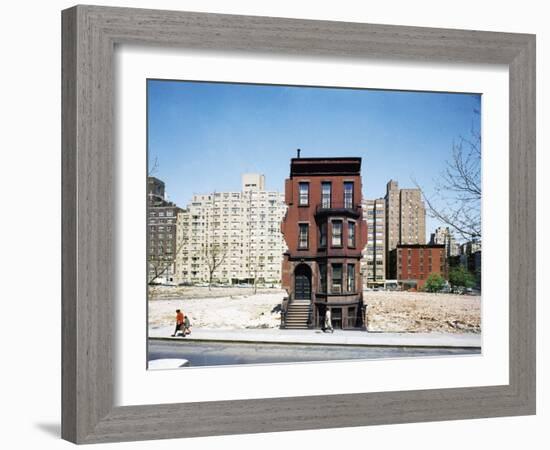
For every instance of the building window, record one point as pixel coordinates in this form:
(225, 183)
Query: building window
(336, 278)
(323, 277)
(303, 236)
(304, 194)
(323, 235)
(337, 233)
(351, 278)
(351, 234)
(348, 194)
(325, 194)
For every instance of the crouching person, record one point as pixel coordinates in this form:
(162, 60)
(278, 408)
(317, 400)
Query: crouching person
(187, 323)
(180, 323)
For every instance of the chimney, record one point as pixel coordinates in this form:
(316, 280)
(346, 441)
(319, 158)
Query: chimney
(298, 153)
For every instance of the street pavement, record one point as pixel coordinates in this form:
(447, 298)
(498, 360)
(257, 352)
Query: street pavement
(169, 354)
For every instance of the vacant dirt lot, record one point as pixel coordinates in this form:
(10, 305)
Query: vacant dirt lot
(423, 312)
(240, 308)
(218, 308)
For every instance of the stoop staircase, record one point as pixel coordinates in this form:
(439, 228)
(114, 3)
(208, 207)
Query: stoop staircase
(297, 314)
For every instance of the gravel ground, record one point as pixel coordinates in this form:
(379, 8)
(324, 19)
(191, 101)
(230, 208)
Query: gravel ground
(423, 312)
(219, 308)
(240, 308)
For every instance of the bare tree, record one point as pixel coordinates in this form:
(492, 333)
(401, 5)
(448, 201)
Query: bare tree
(457, 198)
(257, 266)
(215, 255)
(154, 167)
(158, 265)
(162, 261)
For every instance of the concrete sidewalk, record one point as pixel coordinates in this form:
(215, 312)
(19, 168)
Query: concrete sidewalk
(339, 337)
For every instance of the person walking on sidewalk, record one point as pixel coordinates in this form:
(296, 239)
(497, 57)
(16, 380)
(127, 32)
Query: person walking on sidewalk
(328, 321)
(180, 323)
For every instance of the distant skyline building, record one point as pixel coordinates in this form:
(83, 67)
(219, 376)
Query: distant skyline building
(470, 257)
(252, 182)
(443, 236)
(373, 262)
(162, 246)
(155, 191)
(405, 218)
(470, 247)
(239, 231)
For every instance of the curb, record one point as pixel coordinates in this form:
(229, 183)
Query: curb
(338, 344)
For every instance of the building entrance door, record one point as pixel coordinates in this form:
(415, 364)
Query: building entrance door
(302, 282)
(336, 316)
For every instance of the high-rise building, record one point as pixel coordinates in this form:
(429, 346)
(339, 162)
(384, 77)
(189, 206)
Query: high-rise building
(162, 244)
(470, 258)
(325, 233)
(253, 182)
(155, 191)
(405, 218)
(233, 236)
(373, 262)
(470, 247)
(443, 236)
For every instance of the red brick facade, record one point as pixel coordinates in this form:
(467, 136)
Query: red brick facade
(411, 264)
(325, 234)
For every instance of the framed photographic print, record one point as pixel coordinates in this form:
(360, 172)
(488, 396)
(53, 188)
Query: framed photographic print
(267, 222)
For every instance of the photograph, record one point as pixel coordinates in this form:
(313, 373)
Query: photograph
(306, 223)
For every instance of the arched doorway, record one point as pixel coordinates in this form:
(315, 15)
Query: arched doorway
(302, 282)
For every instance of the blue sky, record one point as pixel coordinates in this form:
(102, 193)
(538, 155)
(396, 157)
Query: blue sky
(204, 135)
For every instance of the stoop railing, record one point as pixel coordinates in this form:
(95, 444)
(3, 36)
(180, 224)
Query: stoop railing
(284, 310)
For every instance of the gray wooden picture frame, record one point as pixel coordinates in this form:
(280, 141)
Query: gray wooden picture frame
(90, 34)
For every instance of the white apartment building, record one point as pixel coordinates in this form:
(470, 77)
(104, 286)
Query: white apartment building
(238, 230)
(470, 247)
(443, 236)
(373, 262)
